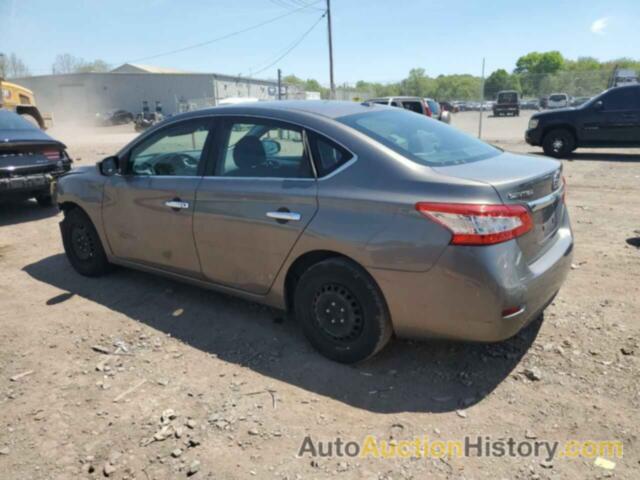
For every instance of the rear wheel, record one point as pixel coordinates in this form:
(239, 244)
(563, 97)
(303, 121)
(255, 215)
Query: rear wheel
(82, 244)
(559, 143)
(342, 311)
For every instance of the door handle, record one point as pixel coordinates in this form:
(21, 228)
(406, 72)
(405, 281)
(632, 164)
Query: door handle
(285, 216)
(176, 204)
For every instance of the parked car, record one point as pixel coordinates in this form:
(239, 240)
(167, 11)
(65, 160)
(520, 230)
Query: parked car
(612, 119)
(362, 220)
(414, 104)
(114, 117)
(29, 159)
(558, 100)
(507, 103)
(529, 104)
(436, 111)
(449, 107)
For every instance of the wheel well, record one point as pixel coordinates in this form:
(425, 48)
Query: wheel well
(567, 127)
(68, 206)
(301, 265)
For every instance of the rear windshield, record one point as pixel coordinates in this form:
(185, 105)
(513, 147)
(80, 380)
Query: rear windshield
(13, 121)
(419, 138)
(508, 97)
(558, 98)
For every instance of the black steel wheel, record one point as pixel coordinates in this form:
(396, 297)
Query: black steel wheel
(82, 244)
(342, 311)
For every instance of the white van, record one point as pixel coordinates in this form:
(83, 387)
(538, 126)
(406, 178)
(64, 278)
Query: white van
(558, 100)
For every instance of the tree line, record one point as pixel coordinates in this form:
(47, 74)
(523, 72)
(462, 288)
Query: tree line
(535, 74)
(12, 66)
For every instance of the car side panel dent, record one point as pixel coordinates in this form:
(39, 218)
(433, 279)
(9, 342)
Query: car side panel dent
(84, 187)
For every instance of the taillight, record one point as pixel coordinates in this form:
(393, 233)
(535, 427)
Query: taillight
(51, 154)
(426, 108)
(473, 224)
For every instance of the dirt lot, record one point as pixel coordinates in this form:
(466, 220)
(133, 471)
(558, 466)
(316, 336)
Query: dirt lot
(246, 388)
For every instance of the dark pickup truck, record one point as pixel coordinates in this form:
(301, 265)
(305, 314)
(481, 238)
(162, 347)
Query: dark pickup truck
(29, 160)
(609, 120)
(507, 103)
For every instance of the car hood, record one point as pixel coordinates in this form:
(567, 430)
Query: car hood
(554, 113)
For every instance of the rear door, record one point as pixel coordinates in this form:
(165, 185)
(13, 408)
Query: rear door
(148, 209)
(254, 203)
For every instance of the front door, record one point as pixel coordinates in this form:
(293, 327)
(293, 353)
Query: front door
(616, 121)
(148, 208)
(252, 208)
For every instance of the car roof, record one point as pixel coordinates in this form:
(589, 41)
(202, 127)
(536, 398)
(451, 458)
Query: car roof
(326, 108)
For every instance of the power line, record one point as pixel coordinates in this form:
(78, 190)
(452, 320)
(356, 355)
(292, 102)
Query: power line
(224, 37)
(291, 47)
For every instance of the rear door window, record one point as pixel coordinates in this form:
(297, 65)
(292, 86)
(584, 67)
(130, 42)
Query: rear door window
(264, 149)
(412, 105)
(328, 156)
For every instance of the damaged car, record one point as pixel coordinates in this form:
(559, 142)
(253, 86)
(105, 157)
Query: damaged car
(30, 160)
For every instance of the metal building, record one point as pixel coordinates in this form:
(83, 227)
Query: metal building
(79, 96)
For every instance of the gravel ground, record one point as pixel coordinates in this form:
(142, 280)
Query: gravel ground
(135, 376)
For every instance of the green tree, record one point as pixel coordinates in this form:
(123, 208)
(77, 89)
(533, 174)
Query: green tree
(500, 80)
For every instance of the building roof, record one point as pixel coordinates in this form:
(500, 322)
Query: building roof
(139, 68)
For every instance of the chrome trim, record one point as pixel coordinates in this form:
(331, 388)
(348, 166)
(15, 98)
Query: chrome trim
(176, 204)
(514, 314)
(286, 216)
(545, 201)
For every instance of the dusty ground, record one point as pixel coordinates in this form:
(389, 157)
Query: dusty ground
(252, 388)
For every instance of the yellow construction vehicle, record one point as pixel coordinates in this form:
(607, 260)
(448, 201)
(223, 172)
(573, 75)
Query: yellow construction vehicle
(22, 101)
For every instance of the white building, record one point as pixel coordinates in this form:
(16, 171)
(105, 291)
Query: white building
(79, 96)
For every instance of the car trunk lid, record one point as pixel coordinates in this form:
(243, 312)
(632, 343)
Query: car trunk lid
(25, 157)
(532, 181)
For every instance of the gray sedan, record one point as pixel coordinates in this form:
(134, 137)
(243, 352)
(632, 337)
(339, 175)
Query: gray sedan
(361, 220)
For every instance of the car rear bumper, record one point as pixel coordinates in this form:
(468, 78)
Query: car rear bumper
(464, 295)
(26, 184)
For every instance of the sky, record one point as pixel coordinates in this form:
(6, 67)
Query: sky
(375, 40)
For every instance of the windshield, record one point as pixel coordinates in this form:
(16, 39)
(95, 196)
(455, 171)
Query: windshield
(558, 98)
(419, 138)
(508, 97)
(13, 121)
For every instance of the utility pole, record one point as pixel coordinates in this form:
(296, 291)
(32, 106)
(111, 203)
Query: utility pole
(481, 101)
(279, 84)
(331, 82)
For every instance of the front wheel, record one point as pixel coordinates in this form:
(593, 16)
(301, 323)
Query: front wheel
(82, 244)
(558, 143)
(342, 311)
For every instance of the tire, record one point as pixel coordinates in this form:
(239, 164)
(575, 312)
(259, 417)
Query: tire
(44, 200)
(82, 244)
(558, 143)
(342, 311)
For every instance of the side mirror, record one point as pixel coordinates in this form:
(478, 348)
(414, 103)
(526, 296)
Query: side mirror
(108, 166)
(271, 147)
(599, 106)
